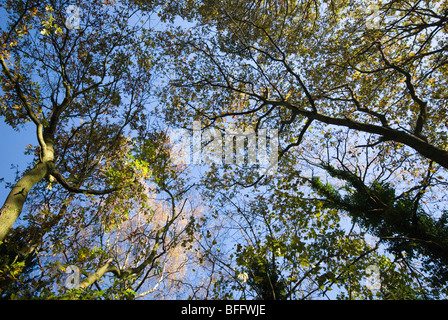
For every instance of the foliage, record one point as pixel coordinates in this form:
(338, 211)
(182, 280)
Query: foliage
(17, 267)
(290, 246)
(103, 194)
(367, 100)
(359, 104)
(398, 220)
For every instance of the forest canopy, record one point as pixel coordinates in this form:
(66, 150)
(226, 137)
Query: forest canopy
(274, 150)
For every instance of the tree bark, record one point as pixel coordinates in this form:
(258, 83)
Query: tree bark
(17, 196)
(97, 275)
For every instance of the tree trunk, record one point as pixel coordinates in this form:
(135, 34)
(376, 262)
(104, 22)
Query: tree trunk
(14, 202)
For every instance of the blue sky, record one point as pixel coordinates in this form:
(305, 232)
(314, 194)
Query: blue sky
(13, 145)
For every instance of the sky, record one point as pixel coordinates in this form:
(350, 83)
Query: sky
(12, 144)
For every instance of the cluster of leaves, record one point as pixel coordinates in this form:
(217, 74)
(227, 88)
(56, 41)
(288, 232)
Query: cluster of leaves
(17, 267)
(262, 275)
(399, 221)
(290, 246)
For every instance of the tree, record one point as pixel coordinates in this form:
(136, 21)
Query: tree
(88, 198)
(398, 220)
(268, 57)
(357, 96)
(135, 237)
(290, 245)
(316, 71)
(56, 77)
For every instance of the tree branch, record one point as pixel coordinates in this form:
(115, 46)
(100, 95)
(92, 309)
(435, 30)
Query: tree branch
(423, 104)
(29, 111)
(60, 178)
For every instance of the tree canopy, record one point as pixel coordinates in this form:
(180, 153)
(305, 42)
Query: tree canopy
(354, 90)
